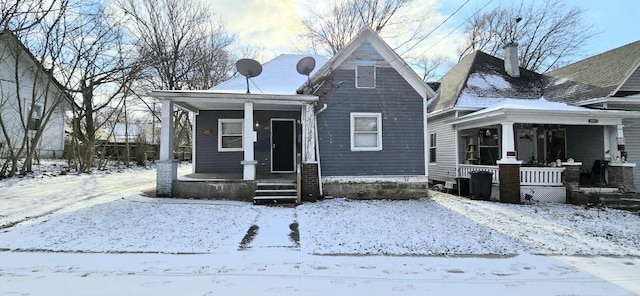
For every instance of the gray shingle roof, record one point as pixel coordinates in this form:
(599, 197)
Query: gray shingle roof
(594, 77)
(495, 83)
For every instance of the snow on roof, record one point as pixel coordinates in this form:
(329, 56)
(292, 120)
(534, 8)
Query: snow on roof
(488, 81)
(279, 76)
(539, 104)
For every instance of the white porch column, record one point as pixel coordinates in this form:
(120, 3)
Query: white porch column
(249, 162)
(508, 143)
(167, 167)
(308, 138)
(166, 130)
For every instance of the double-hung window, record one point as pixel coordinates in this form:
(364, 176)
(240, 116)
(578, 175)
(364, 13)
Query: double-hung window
(432, 148)
(34, 114)
(365, 75)
(230, 133)
(366, 132)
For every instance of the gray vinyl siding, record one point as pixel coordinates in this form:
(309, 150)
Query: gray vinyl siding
(444, 169)
(403, 147)
(585, 144)
(632, 146)
(633, 83)
(209, 160)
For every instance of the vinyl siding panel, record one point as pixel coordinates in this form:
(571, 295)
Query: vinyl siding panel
(444, 169)
(209, 160)
(403, 147)
(633, 83)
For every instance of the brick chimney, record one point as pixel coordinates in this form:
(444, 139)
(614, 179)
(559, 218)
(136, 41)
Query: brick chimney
(511, 59)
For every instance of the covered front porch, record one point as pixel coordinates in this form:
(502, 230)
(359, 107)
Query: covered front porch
(543, 150)
(242, 144)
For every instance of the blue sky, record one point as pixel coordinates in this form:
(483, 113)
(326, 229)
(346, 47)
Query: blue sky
(618, 21)
(272, 25)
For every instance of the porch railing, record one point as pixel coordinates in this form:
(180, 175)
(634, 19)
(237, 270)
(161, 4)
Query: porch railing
(528, 175)
(541, 176)
(466, 169)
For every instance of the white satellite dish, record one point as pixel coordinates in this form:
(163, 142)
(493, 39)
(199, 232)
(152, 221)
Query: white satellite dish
(248, 68)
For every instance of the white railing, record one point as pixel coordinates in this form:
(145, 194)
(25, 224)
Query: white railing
(541, 176)
(528, 175)
(464, 171)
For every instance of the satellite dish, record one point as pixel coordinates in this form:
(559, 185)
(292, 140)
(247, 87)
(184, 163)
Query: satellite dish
(305, 66)
(248, 68)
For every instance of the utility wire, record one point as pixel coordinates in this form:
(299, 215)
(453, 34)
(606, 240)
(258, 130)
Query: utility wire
(436, 28)
(458, 27)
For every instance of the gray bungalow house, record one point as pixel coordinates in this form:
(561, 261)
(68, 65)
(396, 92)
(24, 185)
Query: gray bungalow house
(491, 115)
(356, 127)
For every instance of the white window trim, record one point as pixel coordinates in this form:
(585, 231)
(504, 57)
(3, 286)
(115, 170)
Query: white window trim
(228, 120)
(433, 146)
(352, 132)
(366, 64)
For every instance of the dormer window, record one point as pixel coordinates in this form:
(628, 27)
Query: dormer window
(365, 75)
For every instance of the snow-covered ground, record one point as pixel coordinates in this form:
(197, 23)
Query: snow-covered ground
(97, 235)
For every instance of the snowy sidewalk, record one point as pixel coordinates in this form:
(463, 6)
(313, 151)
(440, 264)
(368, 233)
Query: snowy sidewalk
(275, 227)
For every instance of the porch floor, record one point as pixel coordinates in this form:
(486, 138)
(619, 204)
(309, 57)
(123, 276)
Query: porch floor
(260, 178)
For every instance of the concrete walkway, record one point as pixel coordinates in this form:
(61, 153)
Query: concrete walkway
(276, 228)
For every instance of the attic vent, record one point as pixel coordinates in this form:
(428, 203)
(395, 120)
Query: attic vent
(365, 75)
(511, 60)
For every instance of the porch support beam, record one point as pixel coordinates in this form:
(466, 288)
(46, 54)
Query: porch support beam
(166, 130)
(308, 139)
(508, 142)
(167, 166)
(249, 162)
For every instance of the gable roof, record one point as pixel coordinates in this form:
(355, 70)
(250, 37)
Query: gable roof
(396, 62)
(480, 80)
(279, 77)
(8, 36)
(598, 76)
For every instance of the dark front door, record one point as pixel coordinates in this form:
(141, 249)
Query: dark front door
(283, 149)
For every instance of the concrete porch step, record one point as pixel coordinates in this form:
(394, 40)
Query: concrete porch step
(275, 192)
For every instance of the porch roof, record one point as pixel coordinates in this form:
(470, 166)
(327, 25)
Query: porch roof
(543, 112)
(196, 100)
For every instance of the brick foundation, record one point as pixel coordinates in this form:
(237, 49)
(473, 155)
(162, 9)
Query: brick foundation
(510, 183)
(621, 177)
(310, 183)
(571, 180)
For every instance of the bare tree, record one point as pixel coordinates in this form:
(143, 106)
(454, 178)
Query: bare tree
(329, 29)
(185, 47)
(548, 33)
(21, 15)
(97, 68)
(428, 66)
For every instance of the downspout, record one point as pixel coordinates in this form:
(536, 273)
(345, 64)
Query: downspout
(315, 129)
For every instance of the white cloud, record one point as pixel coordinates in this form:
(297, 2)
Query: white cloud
(266, 24)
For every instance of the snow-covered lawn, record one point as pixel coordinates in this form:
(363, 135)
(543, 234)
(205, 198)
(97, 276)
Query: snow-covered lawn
(440, 225)
(100, 234)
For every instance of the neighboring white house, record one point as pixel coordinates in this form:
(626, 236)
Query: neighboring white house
(31, 101)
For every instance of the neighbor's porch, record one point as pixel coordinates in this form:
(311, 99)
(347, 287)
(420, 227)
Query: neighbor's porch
(543, 159)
